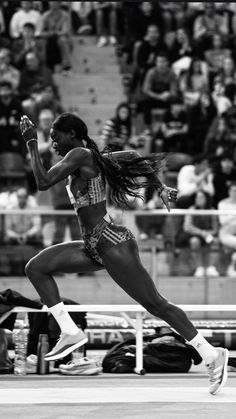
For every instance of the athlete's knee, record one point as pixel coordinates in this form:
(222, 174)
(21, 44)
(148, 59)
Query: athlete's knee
(33, 265)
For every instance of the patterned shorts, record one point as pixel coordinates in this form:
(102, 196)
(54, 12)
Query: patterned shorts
(104, 236)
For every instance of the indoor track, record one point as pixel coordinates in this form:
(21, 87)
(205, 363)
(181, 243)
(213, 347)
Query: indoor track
(113, 396)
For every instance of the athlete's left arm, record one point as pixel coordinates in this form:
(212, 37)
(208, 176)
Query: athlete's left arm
(166, 193)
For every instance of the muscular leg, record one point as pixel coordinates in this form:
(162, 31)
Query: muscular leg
(123, 264)
(67, 258)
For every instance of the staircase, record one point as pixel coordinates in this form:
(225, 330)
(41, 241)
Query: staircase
(94, 88)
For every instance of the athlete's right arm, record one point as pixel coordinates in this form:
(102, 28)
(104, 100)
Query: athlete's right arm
(75, 159)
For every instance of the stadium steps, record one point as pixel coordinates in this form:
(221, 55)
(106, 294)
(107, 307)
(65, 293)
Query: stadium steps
(94, 87)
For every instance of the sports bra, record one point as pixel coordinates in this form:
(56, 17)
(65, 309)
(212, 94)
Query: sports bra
(92, 193)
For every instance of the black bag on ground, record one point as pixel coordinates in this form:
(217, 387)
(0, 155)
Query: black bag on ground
(6, 365)
(164, 351)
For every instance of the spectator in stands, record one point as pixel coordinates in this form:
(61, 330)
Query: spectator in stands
(21, 228)
(56, 28)
(193, 177)
(227, 232)
(174, 15)
(35, 80)
(224, 175)
(175, 127)
(221, 96)
(27, 43)
(194, 81)
(117, 131)
(200, 233)
(106, 22)
(2, 22)
(160, 85)
(146, 52)
(216, 55)
(207, 24)
(7, 71)
(200, 116)
(10, 114)
(25, 14)
(181, 47)
(217, 141)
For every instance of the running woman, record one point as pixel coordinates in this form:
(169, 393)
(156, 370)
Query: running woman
(105, 245)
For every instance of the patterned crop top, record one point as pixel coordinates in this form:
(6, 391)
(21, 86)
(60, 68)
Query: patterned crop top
(92, 193)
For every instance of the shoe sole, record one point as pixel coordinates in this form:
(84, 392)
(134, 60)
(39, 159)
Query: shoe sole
(225, 372)
(90, 371)
(66, 351)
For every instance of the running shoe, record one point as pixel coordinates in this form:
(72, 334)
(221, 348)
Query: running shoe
(65, 345)
(82, 366)
(217, 371)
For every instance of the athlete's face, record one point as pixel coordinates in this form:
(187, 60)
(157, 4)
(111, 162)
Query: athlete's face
(61, 141)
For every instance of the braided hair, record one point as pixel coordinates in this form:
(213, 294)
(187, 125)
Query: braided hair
(126, 176)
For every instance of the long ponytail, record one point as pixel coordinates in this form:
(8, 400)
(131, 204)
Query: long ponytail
(126, 176)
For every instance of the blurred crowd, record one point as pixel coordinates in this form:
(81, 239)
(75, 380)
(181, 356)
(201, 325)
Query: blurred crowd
(178, 63)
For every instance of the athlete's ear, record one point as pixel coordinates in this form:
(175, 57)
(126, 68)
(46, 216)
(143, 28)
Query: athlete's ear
(72, 133)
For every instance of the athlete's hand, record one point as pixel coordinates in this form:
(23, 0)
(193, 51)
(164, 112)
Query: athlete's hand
(28, 129)
(168, 195)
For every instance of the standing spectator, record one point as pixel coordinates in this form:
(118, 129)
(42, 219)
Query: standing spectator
(160, 85)
(200, 233)
(34, 81)
(56, 28)
(27, 43)
(106, 15)
(117, 131)
(20, 228)
(224, 175)
(45, 120)
(227, 232)
(7, 71)
(10, 114)
(25, 14)
(193, 177)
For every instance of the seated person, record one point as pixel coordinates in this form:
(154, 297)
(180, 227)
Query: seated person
(224, 175)
(21, 228)
(27, 43)
(193, 177)
(227, 232)
(175, 127)
(159, 86)
(35, 79)
(200, 231)
(7, 71)
(117, 131)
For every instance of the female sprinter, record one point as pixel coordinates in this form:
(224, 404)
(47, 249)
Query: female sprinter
(105, 245)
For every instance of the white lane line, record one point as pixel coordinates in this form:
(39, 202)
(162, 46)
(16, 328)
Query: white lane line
(114, 395)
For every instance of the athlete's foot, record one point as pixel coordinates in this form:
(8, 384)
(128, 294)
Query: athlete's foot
(65, 345)
(217, 371)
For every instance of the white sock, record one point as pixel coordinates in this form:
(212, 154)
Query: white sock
(207, 351)
(63, 318)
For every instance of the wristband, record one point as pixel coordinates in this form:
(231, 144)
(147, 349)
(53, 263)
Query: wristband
(33, 139)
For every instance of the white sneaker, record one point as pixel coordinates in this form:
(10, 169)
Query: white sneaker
(102, 42)
(65, 345)
(112, 40)
(200, 272)
(231, 271)
(82, 366)
(217, 370)
(212, 271)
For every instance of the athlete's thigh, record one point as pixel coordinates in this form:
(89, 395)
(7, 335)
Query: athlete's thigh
(124, 265)
(69, 257)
